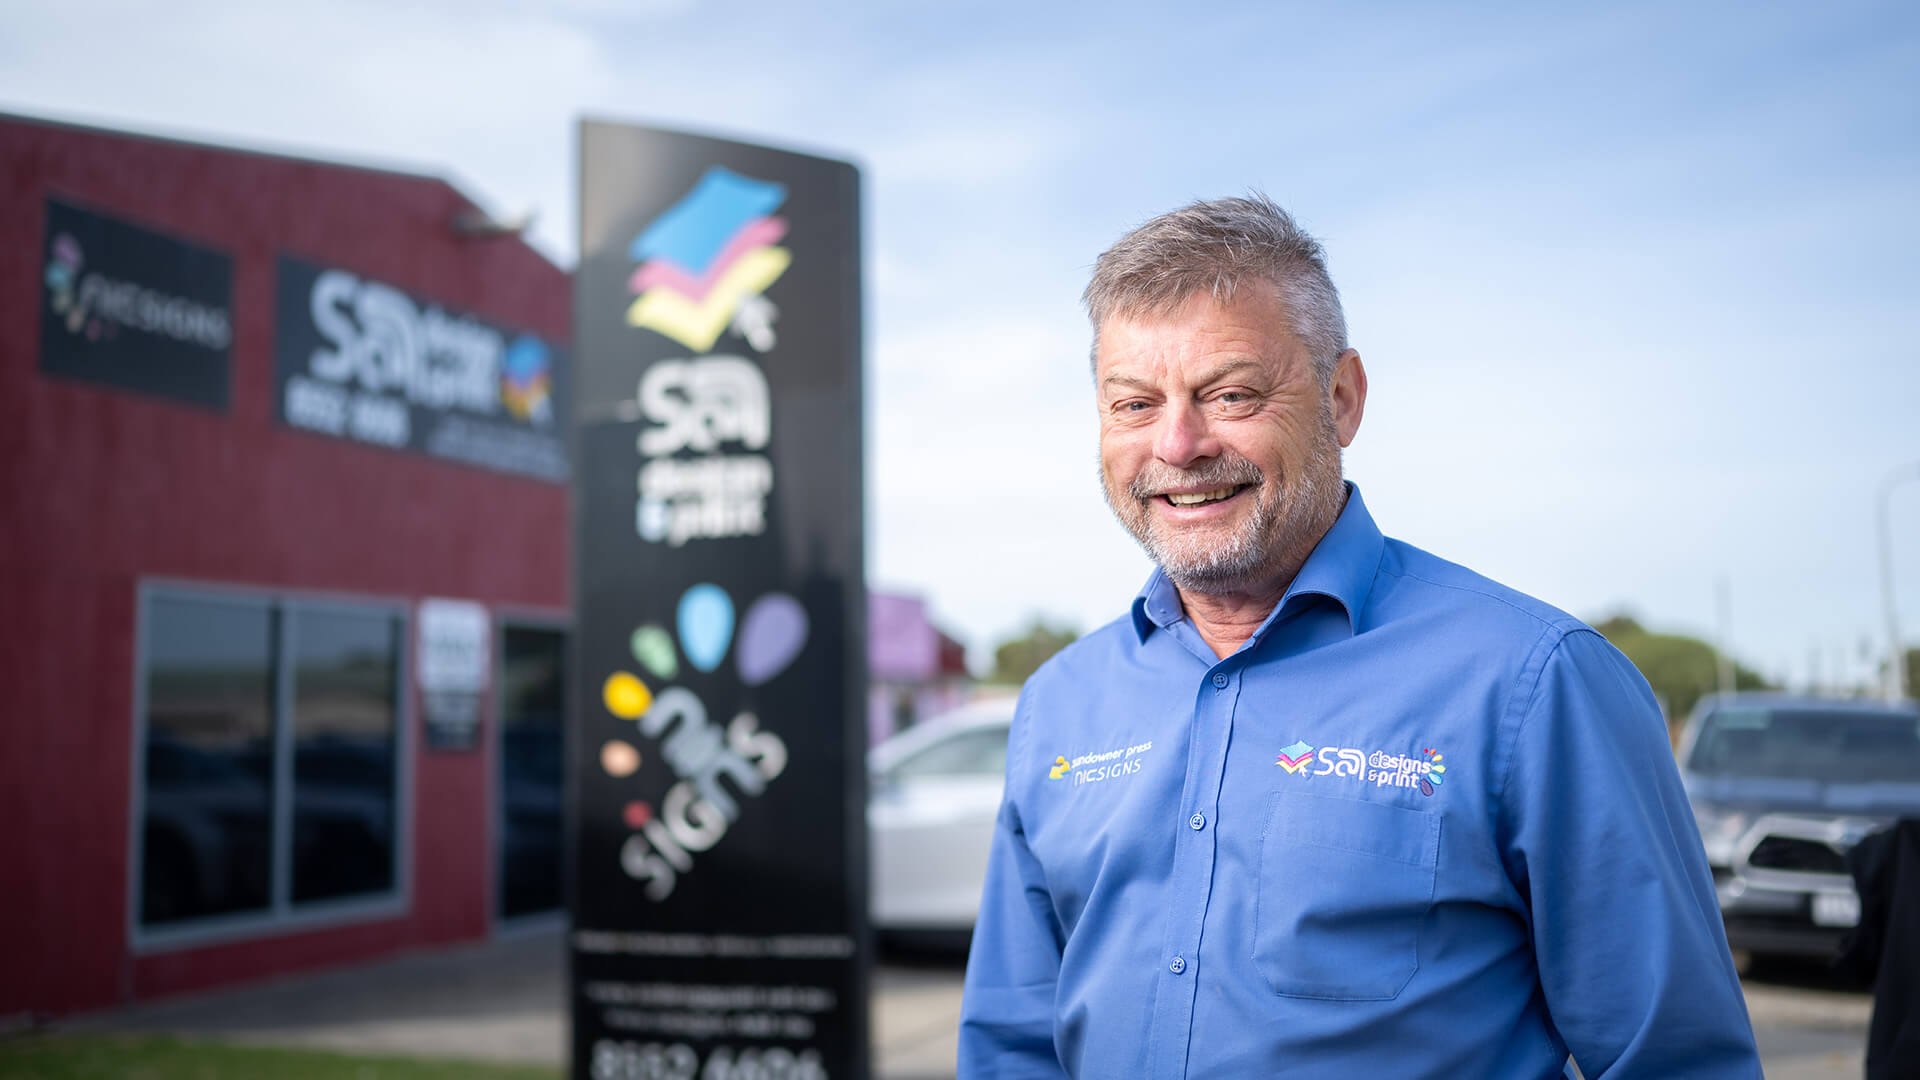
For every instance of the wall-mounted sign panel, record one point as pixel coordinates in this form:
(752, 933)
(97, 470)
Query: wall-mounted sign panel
(455, 644)
(717, 778)
(134, 308)
(362, 360)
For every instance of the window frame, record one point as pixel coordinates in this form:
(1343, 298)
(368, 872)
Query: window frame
(281, 915)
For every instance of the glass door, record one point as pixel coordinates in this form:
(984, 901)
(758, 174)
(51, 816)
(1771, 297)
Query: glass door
(532, 770)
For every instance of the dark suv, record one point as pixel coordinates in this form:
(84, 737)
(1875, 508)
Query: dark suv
(1782, 787)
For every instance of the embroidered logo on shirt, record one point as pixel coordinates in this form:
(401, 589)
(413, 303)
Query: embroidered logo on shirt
(1295, 758)
(1379, 768)
(1105, 765)
(1436, 772)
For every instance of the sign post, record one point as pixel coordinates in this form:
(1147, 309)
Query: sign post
(717, 744)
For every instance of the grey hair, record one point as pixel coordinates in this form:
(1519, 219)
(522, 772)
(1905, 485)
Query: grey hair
(1216, 246)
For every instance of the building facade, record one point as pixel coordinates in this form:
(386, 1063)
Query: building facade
(284, 480)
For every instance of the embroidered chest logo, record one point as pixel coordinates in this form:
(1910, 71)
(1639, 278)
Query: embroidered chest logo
(1105, 765)
(1379, 768)
(1296, 757)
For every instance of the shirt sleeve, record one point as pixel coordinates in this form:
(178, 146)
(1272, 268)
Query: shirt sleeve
(1602, 846)
(1006, 1010)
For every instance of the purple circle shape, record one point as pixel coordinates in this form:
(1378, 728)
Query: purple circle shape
(773, 633)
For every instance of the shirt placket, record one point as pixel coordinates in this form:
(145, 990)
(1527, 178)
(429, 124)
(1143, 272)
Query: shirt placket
(1193, 869)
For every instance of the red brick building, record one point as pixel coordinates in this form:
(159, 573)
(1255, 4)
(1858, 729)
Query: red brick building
(285, 558)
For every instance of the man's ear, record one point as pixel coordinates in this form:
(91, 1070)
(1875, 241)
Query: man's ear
(1347, 395)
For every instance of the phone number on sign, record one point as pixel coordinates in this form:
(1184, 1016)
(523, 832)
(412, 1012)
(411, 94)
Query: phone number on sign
(678, 1061)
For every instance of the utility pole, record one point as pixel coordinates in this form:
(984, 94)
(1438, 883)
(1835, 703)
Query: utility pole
(1896, 654)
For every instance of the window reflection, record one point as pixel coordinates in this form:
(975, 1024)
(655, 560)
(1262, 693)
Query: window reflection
(209, 760)
(345, 682)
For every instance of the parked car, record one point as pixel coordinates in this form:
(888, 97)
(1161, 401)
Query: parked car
(1782, 787)
(934, 791)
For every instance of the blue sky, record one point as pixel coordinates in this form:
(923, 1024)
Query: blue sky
(1635, 285)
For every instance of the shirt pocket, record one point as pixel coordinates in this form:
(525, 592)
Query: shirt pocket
(1344, 888)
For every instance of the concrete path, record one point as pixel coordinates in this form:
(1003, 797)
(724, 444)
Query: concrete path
(504, 1001)
(497, 1001)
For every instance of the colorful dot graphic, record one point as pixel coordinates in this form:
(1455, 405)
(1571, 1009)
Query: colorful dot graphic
(626, 696)
(619, 758)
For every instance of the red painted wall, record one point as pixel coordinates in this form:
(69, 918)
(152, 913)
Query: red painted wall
(101, 488)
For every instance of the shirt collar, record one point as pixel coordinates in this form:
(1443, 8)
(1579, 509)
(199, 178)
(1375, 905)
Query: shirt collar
(1341, 568)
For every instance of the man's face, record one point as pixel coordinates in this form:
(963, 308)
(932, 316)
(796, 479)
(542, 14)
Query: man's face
(1219, 450)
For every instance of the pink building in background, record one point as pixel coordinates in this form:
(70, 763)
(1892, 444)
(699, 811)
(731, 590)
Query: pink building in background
(914, 671)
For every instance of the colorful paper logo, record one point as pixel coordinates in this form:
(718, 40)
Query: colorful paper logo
(1436, 775)
(1296, 757)
(1060, 767)
(526, 381)
(705, 263)
(63, 279)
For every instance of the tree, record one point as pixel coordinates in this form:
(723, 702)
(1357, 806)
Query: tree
(1680, 669)
(1017, 658)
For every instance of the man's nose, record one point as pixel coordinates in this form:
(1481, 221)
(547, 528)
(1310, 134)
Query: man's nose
(1182, 436)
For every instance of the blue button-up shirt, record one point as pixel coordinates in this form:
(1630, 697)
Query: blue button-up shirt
(1418, 825)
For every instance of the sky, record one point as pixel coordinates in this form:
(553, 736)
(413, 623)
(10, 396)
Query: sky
(1634, 285)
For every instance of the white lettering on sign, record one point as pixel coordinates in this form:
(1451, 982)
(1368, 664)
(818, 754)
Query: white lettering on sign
(156, 312)
(380, 341)
(691, 485)
(703, 403)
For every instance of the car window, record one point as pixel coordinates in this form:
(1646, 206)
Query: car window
(1830, 746)
(975, 752)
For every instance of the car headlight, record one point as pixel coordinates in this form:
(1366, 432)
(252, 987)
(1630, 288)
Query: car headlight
(1719, 829)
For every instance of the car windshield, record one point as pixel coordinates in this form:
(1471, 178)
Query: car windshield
(1827, 745)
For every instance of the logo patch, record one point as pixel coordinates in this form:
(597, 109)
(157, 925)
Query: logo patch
(1422, 770)
(1294, 758)
(1105, 765)
(1436, 774)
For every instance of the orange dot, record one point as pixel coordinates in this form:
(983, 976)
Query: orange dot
(626, 696)
(618, 758)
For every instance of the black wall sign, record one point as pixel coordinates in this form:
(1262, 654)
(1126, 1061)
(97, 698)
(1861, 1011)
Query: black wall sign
(133, 308)
(362, 360)
(717, 778)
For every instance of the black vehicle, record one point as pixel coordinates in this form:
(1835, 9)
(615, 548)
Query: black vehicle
(1782, 787)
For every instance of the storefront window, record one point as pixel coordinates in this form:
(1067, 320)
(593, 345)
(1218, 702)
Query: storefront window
(209, 759)
(271, 756)
(345, 682)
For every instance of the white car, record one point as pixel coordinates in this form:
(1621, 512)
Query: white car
(934, 791)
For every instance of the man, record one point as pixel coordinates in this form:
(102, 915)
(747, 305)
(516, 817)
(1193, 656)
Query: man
(1322, 804)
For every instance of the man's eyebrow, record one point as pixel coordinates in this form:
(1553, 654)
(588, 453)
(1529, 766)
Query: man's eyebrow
(1226, 369)
(1206, 379)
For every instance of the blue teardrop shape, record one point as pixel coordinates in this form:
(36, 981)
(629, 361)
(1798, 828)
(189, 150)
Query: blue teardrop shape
(706, 625)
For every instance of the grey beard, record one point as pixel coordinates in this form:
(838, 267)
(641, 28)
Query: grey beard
(1281, 531)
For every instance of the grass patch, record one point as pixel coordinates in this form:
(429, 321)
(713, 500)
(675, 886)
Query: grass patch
(107, 1057)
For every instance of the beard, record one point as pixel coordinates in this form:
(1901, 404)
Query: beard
(1289, 515)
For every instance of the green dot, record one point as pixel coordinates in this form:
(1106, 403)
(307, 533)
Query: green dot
(654, 650)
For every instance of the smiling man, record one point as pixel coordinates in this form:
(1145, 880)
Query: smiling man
(1322, 804)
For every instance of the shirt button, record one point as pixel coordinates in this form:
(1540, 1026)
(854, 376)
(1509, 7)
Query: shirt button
(1197, 821)
(1179, 965)
(1220, 681)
